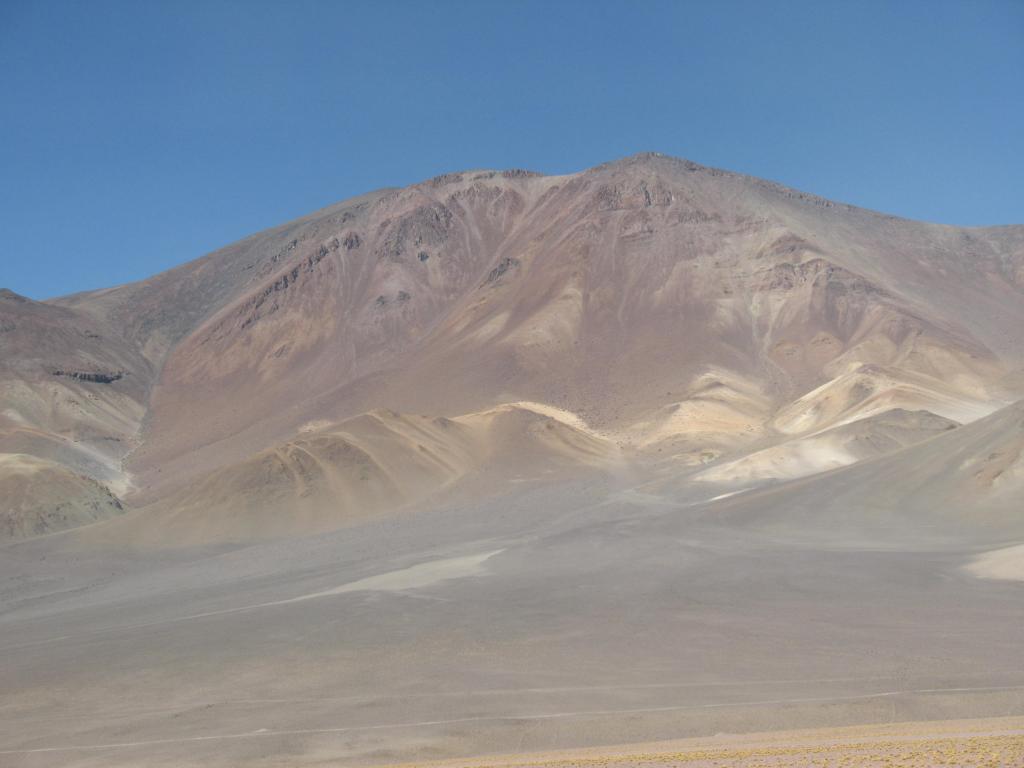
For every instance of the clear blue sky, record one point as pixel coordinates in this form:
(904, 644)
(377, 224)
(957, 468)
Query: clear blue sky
(138, 135)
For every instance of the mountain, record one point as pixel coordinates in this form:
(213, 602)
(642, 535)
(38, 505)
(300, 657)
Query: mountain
(504, 462)
(680, 312)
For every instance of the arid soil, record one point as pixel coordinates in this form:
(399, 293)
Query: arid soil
(997, 742)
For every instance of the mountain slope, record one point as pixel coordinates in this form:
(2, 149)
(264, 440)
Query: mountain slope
(41, 496)
(608, 293)
(330, 475)
(960, 485)
(684, 313)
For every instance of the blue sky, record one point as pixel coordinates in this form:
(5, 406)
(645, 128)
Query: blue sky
(138, 135)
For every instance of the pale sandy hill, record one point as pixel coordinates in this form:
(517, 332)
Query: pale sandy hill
(866, 390)
(963, 484)
(72, 388)
(40, 496)
(834, 447)
(331, 475)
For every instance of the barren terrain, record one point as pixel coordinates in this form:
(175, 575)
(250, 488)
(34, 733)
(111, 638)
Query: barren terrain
(502, 463)
(982, 742)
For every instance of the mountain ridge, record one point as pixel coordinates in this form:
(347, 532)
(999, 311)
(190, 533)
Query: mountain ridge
(607, 293)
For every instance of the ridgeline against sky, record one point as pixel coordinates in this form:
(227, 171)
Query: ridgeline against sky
(134, 137)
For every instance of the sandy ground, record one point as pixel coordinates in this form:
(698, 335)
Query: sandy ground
(1005, 563)
(996, 742)
(559, 617)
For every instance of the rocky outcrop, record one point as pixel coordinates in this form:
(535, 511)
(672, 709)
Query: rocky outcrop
(265, 302)
(619, 197)
(93, 377)
(503, 266)
(429, 225)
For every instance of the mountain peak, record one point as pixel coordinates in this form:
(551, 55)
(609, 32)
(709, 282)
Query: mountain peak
(6, 294)
(656, 160)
